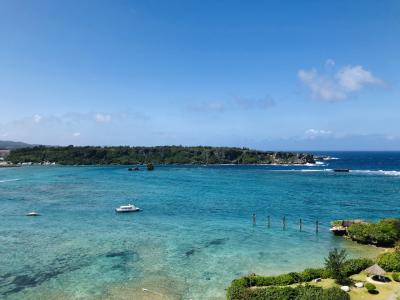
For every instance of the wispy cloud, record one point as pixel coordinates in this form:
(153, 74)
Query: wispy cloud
(37, 118)
(254, 103)
(314, 133)
(330, 63)
(237, 103)
(339, 86)
(103, 118)
(70, 127)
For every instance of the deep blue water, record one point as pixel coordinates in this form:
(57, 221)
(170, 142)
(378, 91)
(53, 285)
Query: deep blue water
(195, 232)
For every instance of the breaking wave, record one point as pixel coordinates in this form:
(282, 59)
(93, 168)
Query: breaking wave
(8, 180)
(378, 172)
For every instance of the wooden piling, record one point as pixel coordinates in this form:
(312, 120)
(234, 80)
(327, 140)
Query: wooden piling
(301, 225)
(254, 219)
(284, 222)
(269, 221)
(316, 226)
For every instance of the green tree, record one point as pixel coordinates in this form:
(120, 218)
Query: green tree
(335, 264)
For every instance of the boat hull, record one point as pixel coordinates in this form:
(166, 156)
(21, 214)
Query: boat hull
(126, 210)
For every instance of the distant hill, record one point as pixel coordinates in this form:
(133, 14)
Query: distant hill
(160, 155)
(10, 145)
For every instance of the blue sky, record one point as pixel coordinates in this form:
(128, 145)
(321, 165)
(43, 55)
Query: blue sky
(284, 75)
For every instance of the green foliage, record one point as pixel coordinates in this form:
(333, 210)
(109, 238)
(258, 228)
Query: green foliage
(396, 276)
(334, 293)
(335, 264)
(283, 279)
(288, 293)
(397, 246)
(150, 167)
(237, 290)
(276, 287)
(356, 265)
(337, 222)
(389, 261)
(159, 155)
(371, 288)
(384, 233)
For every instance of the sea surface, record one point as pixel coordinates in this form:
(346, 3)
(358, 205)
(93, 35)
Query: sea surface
(195, 233)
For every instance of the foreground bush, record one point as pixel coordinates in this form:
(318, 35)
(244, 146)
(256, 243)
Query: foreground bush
(396, 276)
(284, 279)
(371, 288)
(290, 293)
(390, 261)
(356, 265)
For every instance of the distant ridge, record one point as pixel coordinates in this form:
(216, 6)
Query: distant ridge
(10, 145)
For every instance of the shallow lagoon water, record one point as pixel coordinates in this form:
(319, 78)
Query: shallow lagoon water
(195, 232)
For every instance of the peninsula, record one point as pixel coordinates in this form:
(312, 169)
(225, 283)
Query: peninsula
(125, 155)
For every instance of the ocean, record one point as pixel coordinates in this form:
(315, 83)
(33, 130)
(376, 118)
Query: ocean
(195, 233)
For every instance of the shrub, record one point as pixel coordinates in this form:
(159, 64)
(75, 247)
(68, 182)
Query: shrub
(312, 273)
(274, 293)
(371, 288)
(297, 293)
(396, 276)
(283, 279)
(337, 222)
(356, 265)
(397, 246)
(237, 290)
(334, 293)
(389, 261)
(384, 233)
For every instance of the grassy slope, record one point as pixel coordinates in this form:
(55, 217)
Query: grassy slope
(385, 290)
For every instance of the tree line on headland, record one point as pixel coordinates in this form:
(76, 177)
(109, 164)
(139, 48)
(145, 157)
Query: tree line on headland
(90, 155)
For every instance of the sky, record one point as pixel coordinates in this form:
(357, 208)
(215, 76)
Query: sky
(271, 75)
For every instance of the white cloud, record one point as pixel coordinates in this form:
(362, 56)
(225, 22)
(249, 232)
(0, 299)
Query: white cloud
(329, 62)
(314, 133)
(347, 80)
(321, 87)
(250, 103)
(238, 103)
(37, 118)
(354, 78)
(76, 134)
(103, 118)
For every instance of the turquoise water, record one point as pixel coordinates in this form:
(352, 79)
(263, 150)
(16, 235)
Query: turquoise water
(195, 233)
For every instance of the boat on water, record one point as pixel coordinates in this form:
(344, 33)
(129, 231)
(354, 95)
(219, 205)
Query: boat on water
(33, 214)
(341, 170)
(127, 208)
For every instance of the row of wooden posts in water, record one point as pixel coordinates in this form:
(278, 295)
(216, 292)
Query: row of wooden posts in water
(284, 223)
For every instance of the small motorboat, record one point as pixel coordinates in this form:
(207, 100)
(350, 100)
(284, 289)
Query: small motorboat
(127, 208)
(33, 214)
(341, 170)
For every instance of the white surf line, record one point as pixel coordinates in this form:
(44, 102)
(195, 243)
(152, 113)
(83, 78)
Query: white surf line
(9, 180)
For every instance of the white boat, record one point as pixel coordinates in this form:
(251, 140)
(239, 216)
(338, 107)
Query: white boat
(33, 214)
(127, 208)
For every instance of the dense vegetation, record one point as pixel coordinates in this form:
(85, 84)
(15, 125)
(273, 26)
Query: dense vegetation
(384, 233)
(274, 286)
(293, 293)
(389, 261)
(158, 155)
